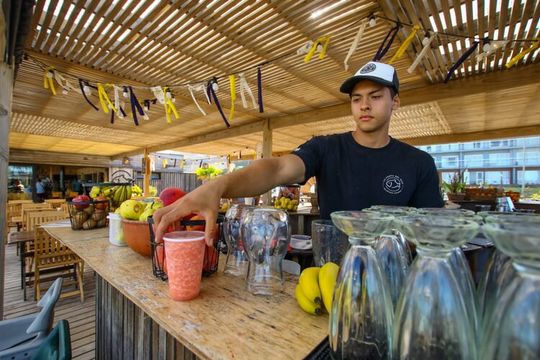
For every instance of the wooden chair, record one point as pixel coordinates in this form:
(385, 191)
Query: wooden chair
(30, 207)
(14, 211)
(33, 218)
(44, 211)
(55, 203)
(51, 256)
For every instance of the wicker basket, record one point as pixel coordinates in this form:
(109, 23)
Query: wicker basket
(86, 215)
(481, 194)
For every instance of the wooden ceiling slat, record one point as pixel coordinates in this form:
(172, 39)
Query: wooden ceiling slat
(124, 21)
(448, 57)
(251, 47)
(73, 39)
(481, 28)
(38, 12)
(534, 33)
(527, 10)
(56, 23)
(514, 17)
(459, 29)
(67, 23)
(492, 24)
(503, 20)
(91, 35)
(45, 26)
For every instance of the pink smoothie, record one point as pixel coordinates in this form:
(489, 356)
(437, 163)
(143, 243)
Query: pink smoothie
(184, 251)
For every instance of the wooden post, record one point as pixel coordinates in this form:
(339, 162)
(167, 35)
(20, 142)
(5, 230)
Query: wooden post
(267, 154)
(147, 172)
(6, 89)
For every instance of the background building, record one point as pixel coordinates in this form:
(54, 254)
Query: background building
(495, 162)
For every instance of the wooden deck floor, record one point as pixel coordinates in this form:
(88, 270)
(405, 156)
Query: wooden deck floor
(81, 316)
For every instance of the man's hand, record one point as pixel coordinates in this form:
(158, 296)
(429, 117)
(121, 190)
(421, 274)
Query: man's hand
(204, 201)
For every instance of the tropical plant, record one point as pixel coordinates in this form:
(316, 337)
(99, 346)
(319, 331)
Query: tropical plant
(456, 184)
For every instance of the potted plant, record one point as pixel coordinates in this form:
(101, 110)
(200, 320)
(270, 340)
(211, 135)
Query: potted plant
(454, 189)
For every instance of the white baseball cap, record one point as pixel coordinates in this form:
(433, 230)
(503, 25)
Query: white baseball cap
(375, 71)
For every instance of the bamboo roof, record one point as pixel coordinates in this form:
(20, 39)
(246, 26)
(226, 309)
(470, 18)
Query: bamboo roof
(172, 43)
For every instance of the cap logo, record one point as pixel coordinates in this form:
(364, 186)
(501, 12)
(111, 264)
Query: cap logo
(368, 68)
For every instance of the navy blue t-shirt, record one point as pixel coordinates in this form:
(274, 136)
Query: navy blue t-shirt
(353, 177)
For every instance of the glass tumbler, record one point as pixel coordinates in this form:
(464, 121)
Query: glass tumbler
(432, 318)
(237, 260)
(329, 243)
(266, 234)
(514, 328)
(362, 314)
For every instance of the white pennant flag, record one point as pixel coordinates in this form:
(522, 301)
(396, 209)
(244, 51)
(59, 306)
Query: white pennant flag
(421, 54)
(191, 89)
(355, 42)
(244, 86)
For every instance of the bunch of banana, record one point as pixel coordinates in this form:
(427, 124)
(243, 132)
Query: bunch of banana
(315, 288)
(120, 193)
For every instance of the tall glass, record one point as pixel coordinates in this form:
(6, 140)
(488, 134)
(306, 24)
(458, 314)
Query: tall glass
(397, 211)
(514, 328)
(500, 270)
(362, 314)
(237, 260)
(329, 243)
(432, 319)
(266, 234)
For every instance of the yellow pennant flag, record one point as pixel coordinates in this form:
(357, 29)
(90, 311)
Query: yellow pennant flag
(521, 55)
(48, 79)
(232, 85)
(399, 53)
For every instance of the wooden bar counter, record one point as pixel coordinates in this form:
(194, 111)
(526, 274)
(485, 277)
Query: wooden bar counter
(135, 319)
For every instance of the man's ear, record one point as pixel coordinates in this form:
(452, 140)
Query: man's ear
(396, 102)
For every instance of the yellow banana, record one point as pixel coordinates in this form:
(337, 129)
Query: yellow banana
(327, 282)
(128, 192)
(306, 305)
(309, 282)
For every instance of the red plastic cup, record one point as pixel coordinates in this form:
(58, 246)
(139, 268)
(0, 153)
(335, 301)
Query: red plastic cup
(184, 251)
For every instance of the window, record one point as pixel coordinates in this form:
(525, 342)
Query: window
(497, 177)
(532, 177)
(449, 161)
(473, 160)
(496, 143)
(499, 159)
(477, 145)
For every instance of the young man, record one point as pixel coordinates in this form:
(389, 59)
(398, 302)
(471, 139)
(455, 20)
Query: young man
(354, 170)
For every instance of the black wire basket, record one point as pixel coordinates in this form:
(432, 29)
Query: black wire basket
(87, 215)
(211, 254)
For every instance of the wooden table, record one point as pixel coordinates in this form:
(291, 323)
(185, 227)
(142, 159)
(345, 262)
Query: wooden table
(136, 319)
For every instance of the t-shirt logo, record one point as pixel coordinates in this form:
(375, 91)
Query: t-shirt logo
(368, 68)
(393, 184)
